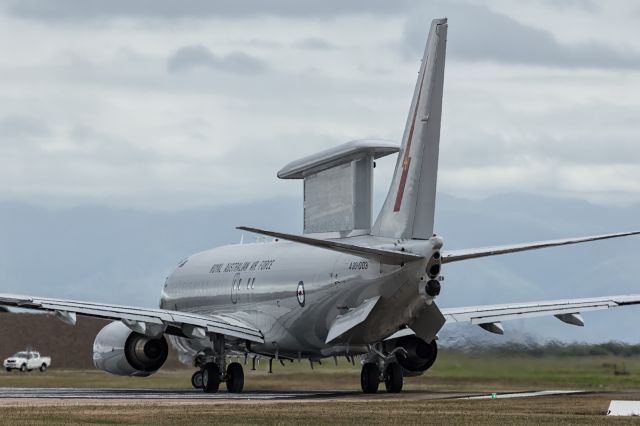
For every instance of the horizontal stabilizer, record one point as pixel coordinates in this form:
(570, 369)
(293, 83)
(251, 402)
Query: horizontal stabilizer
(458, 255)
(389, 257)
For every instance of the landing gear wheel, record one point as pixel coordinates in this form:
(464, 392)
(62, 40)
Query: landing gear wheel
(196, 380)
(370, 378)
(235, 378)
(211, 378)
(23, 367)
(393, 378)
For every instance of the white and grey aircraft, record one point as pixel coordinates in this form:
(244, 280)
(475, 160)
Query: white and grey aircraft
(346, 287)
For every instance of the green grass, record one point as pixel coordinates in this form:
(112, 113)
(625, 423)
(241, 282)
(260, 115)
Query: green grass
(452, 371)
(594, 373)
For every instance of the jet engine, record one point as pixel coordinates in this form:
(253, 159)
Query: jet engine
(120, 351)
(418, 355)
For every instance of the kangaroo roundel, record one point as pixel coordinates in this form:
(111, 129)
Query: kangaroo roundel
(300, 293)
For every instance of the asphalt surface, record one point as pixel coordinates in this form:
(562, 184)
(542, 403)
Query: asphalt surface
(194, 394)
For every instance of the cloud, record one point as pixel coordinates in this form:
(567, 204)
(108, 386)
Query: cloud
(79, 10)
(584, 5)
(197, 56)
(314, 43)
(479, 34)
(158, 115)
(22, 126)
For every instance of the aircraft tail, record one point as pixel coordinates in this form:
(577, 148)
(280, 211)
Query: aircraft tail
(408, 210)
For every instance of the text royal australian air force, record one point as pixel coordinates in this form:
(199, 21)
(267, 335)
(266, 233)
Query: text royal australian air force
(250, 266)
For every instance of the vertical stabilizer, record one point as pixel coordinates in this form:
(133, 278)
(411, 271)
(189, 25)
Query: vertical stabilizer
(409, 207)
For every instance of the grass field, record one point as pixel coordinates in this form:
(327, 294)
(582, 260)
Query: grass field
(563, 411)
(452, 372)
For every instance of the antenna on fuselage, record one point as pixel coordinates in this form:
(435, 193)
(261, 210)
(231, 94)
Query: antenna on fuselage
(338, 185)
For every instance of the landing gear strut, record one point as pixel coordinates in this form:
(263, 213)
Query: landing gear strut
(370, 377)
(209, 378)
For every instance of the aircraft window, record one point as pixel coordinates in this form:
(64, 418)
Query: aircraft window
(253, 283)
(248, 283)
(239, 282)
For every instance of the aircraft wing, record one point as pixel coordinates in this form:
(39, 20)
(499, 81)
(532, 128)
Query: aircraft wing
(143, 320)
(458, 255)
(489, 316)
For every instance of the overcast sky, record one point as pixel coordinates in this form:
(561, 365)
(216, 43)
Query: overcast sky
(165, 104)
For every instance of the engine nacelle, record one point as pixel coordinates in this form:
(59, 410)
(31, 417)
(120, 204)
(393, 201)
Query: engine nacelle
(419, 355)
(120, 351)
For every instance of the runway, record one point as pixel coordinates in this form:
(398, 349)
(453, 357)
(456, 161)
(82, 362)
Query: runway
(162, 394)
(197, 395)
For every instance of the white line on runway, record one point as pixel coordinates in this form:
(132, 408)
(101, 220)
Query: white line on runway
(526, 394)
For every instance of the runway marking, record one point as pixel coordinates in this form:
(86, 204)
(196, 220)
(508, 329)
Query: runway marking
(526, 394)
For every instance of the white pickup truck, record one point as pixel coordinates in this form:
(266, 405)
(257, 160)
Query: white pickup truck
(27, 361)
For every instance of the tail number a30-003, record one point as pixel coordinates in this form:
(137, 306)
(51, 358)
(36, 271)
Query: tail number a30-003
(361, 264)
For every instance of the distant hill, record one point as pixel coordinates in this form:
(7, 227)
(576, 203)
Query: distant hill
(123, 256)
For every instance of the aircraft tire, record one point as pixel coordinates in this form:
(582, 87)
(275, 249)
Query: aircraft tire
(235, 378)
(370, 378)
(393, 378)
(211, 378)
(196, 379)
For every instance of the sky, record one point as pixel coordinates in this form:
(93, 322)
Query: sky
(175, 105)
(159, 125)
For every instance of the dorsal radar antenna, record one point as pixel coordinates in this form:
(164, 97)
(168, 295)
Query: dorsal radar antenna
(338, 185)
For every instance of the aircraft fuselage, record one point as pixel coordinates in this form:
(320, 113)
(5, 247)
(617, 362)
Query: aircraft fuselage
(293, 293)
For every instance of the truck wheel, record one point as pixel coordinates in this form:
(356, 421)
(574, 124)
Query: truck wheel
(8, 370)
(23, 367)
(43, 368)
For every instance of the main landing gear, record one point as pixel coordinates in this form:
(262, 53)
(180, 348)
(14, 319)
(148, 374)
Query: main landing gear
(209, 378)
(370, 377)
